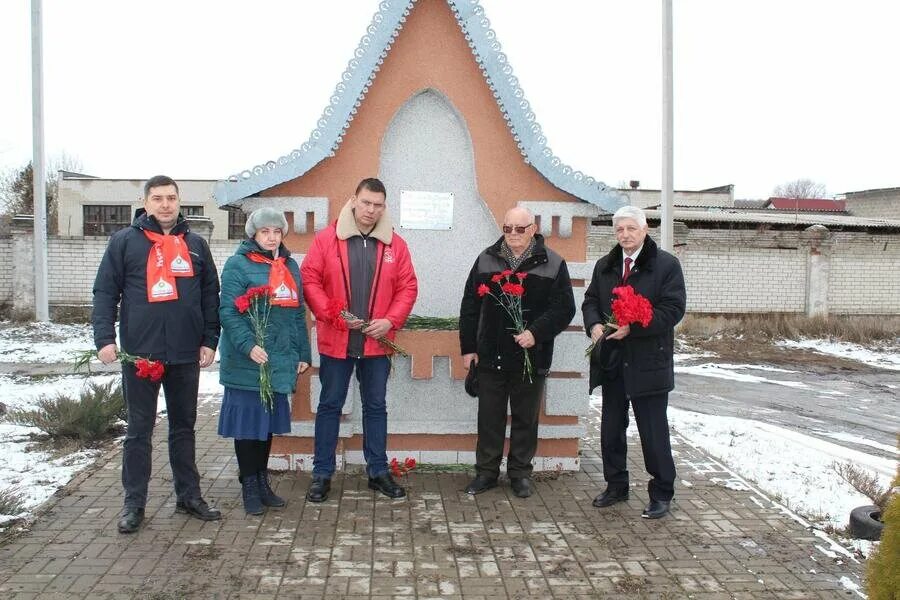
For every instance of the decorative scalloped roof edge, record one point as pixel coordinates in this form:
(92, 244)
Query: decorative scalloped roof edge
(354, 85)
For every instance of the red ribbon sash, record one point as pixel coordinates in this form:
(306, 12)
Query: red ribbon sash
(282, 286)
(169, 258)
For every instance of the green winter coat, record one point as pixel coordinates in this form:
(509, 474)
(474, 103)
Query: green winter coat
(287, 341)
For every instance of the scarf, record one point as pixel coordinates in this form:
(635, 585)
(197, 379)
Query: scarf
(282, 286)
(511, 258)
(169, 258)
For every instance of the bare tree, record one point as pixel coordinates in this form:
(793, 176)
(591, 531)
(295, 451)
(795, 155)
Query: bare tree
(800, 188)
(17, 193)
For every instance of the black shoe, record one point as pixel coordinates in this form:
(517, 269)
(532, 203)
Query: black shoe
(387, 486)
(481, 483)
(656, 509)
(131, 520)
(610, 496)
(198, 508)
(266, 494)
(318, 489)
(521, 486)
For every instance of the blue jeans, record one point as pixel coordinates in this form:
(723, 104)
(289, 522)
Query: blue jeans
(334, 374)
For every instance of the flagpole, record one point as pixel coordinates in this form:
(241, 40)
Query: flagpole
(666, 221)
(39, 186)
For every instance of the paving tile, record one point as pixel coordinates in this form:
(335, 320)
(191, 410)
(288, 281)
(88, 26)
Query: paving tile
(437, 543)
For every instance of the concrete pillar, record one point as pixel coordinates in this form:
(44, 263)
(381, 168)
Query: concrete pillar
(22, 261)
(202, 226)
(819, 241)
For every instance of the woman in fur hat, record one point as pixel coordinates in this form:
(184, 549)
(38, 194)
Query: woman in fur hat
(260, 260)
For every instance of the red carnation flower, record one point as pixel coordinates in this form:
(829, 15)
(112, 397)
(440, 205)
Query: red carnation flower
(242, 303)
(333, 308)
(630, 307)
(149, 369)
(513, 289)
(496, 277)
(506, 273)
(521, 275)
(482, 290)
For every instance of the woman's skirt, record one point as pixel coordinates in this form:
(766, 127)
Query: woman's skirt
(243, 416)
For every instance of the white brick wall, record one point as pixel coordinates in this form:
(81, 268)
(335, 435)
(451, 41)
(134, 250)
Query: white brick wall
(741, 271)
(72, 264)
(5, 270)
(865, 275)
(735, 271)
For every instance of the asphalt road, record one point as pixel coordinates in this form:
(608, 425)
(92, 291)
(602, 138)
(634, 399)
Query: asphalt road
(861, 404)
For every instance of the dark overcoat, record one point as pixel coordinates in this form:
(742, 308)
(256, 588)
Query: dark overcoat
(645, 356)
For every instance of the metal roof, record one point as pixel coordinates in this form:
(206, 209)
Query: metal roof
(814, 204)
(357, 78)
(775, 217)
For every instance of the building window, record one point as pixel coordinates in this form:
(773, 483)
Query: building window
(103, 220)
(192, 211)
(236, 221)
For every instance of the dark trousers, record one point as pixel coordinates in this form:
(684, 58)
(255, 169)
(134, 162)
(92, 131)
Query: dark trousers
(180, 383)
(496, 391)
(653, 427)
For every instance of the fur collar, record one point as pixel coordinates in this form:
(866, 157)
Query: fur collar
(644, 260)
(346, 226)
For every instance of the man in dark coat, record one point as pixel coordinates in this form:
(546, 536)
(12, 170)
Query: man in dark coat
(161, 281)
(489, 342)
(634, 364)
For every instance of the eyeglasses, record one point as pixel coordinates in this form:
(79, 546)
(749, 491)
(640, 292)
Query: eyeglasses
(517, 228)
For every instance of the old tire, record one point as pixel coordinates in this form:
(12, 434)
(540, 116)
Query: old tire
(865, 523)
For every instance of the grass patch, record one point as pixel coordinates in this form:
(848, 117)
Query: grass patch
(859, 330)
(11, 501)
(864, 482)
(88, 419)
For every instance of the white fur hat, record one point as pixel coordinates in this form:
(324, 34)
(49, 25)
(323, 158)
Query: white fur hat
(265, 217)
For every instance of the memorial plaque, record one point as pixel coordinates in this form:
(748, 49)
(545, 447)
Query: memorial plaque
(426, 210)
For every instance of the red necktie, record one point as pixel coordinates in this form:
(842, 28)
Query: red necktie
(627, 269)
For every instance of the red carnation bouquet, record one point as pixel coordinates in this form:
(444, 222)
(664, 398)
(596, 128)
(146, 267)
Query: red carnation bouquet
(154, 370)
(510, 299)
(400, 469)
(338, 316)
(627, 307)
(256, 304)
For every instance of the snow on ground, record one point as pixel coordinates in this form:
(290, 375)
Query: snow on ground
(797, 468)
(35, 475)
(885, 357)
(43, 342)
(731, 373)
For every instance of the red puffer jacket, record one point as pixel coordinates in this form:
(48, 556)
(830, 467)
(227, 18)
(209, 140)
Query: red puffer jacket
(326, 275)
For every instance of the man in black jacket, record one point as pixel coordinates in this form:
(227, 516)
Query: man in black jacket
(165, 281)
(489, 342)
(634, 363)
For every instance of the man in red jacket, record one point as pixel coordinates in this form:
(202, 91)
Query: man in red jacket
(358, 265)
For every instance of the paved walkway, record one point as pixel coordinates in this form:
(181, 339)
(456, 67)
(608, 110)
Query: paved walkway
(439, 543)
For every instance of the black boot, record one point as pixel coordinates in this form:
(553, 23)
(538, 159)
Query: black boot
(266, 495)
(250, 492)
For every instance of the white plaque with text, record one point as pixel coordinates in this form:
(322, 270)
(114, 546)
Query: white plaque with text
(426, 210)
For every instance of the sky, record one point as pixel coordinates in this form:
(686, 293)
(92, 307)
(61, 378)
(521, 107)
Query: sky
(765, 92)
